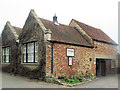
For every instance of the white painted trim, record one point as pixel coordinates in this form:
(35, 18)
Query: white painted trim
(105, 56)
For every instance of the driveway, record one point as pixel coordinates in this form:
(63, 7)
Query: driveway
(11, 81)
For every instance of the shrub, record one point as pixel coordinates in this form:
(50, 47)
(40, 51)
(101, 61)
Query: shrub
(75, 79)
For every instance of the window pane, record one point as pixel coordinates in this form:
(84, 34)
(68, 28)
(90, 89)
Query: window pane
(36, 46)
(7, 58)
(3, 55)
(36, 57)
(3, 58)
(3, 51)
(30, 57)
(7, 51)
(24, 57)
(36, 51)
(24, 53)
(24, 48)
(112, 64)
(6, 55)
(30, 50)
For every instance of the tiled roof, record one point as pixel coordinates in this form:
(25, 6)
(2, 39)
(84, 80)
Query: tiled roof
(95, 33)
(17, 29)
(65, 33)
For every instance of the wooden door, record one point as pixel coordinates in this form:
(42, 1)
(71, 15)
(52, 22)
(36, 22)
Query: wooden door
(103, 68)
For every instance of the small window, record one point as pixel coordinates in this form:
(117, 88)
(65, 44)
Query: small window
(90, 59)
(30, 52)
(113, 64)
(36, 51)
(6, 55)
(24, 53)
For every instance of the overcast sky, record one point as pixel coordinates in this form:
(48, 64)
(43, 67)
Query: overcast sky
(101, 14)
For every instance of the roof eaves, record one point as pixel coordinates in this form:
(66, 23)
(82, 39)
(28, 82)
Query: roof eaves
(53, 41)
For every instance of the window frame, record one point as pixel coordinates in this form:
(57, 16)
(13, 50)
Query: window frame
(34, 53)
(113, 64)
(4, 61)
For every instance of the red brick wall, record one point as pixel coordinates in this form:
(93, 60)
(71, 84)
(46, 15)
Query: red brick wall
(81, 60)
(105, 49)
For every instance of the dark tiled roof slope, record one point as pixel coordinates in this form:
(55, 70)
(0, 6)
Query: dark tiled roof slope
(64, 33)
(95, 33)
(18, 30)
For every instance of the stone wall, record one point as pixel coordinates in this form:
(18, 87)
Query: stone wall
(9, 40)
(32, 32)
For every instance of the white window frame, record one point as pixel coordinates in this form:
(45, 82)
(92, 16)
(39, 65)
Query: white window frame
(6, 54)
(112, 63)
(30, 52)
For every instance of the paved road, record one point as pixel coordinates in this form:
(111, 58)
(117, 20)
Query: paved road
(110, 81)
(10, 81)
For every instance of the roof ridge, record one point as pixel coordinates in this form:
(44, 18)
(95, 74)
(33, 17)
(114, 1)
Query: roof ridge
(53, 22)
(96, 30)
(64, 33)
(12, 29)
(87, 24)
(16, 27)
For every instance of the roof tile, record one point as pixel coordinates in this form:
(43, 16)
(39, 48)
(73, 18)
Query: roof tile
(95, 33)
(65, 33)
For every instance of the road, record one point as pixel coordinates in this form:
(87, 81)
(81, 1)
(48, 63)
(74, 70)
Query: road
(110, 81)
(11, 81)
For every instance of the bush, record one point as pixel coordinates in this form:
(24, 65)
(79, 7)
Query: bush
(71, 79)
(75, 79)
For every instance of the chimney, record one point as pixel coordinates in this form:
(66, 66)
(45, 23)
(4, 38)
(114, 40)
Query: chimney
(55, 20)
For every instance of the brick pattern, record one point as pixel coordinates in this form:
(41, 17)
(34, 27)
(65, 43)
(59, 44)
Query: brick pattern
(105, 49)
(81, 60)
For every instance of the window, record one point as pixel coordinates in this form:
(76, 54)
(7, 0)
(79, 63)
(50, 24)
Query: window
(30, 52)
(113, 64)
(90, 59)
(6, 55)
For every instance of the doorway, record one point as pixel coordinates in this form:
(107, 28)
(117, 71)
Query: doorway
(100, 67)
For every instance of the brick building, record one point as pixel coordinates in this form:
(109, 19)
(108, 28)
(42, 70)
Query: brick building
(48, 48)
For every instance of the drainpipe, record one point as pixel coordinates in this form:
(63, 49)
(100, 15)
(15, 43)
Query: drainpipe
(93, 43)
(52, 57)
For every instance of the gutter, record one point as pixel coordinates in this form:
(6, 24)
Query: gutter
(105, 42)
(52, 57)
(70, 44)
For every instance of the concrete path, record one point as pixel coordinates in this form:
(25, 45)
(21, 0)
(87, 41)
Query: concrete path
(11, 81)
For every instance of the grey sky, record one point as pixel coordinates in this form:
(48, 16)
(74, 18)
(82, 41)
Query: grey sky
(101, 14)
